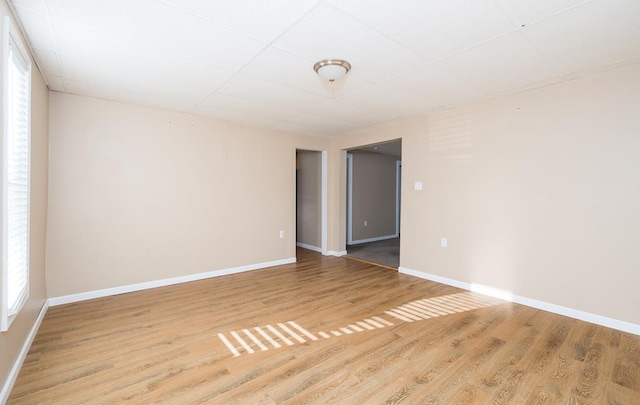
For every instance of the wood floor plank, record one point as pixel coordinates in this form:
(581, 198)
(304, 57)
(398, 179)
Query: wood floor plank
(322, 330)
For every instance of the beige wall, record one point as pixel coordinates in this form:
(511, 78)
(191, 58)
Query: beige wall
(537, 193)
(373, 195)
(308, 198)
(140, 194)
(11, 342)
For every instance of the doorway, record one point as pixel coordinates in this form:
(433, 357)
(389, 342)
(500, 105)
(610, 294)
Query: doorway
(311, 200)
(374, 175)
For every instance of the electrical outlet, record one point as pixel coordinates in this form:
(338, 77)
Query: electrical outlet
(281, 234)
(443, 242)
(365, 222)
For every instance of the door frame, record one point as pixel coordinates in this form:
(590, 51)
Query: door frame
(324, 163)
(398, 194)
(349, 198)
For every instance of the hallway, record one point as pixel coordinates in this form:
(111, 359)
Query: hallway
(385, 252)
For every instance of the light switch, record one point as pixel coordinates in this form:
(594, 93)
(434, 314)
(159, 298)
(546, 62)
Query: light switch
(417, 185)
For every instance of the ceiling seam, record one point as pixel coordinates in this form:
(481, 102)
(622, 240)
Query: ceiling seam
(267, 46)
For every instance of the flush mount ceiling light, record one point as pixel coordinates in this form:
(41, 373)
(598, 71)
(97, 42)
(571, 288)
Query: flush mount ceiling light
(332, 69)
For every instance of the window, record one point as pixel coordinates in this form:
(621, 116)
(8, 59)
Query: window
(16, 150)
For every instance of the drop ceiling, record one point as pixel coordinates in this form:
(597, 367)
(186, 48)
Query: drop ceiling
(251, 61)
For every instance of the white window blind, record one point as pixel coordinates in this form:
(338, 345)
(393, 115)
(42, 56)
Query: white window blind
(16, 165)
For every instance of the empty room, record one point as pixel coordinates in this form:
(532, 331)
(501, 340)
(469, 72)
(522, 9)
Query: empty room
(182, 181)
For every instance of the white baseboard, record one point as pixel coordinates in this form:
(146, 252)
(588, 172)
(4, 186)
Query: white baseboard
(336, 253)
(17, 365)
(67, 299)
(310, 247)
(376, 239)
(545, 306)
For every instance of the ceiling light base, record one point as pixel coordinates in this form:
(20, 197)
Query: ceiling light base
(332, 69)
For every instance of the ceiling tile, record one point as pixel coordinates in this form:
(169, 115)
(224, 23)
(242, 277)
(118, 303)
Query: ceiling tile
(56, 83)
(603, 68)
(155, 26)
(167, 72)
(507, 62)
(298, 129)
(345, 111)
(34, 6)
(528, 12)
(433, 85)
(522, 88)
(436, 28)
(264, 19)
(327, 33)
(130, 95)
(258, 90)
(246, 111)
(48, 62)
(598, 33)
(240, 118)
(278, 66)
(147, 92)
(37, 27)
(146, 78)
(387, 103)
(314, 125)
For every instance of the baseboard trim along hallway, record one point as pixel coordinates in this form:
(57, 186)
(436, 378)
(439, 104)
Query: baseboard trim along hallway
(545, 306)
(310, 247)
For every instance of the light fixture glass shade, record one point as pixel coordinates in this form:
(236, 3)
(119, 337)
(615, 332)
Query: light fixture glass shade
(332, 69)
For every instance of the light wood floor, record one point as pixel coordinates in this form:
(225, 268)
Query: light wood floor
(342, 340)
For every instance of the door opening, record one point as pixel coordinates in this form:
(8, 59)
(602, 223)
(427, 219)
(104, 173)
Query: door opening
(311, 200)
(374, 177)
